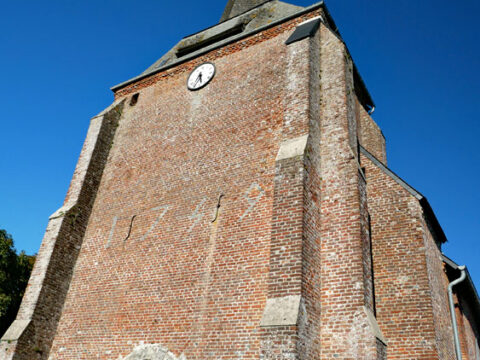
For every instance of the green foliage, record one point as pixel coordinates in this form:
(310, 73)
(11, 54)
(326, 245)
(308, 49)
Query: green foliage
(14, 273)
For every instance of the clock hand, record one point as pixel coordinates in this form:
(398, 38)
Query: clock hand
(199, 78)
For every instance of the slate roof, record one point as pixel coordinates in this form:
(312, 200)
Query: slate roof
(248, 21)
(466, 289)
(237, 25)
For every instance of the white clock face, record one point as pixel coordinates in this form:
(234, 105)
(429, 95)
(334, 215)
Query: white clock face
(201, 76)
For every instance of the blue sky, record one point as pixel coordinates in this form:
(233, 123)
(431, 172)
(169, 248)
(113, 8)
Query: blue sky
(58, 59)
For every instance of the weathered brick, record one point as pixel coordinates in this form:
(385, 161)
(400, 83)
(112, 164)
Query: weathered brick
(246, 220)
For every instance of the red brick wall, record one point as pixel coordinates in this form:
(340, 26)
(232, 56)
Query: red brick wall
(195, 287)
(369, 134)
(439, 293)
(311, 263)
(468, 332)
(197, 222)
(345, 332)
(297, 181)
(410, 290)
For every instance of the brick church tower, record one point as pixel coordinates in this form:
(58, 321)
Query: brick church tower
(234, 202)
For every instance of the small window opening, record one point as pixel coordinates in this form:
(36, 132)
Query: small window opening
(188, 49)
(134, 99)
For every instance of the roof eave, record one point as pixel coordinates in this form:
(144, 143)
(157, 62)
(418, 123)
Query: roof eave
(220, 45)
(472, 294)
(360, 88)
(427, 209)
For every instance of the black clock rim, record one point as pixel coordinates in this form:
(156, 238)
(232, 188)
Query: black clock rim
(196, 67)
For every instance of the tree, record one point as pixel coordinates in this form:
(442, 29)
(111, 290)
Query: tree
(15, 271)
